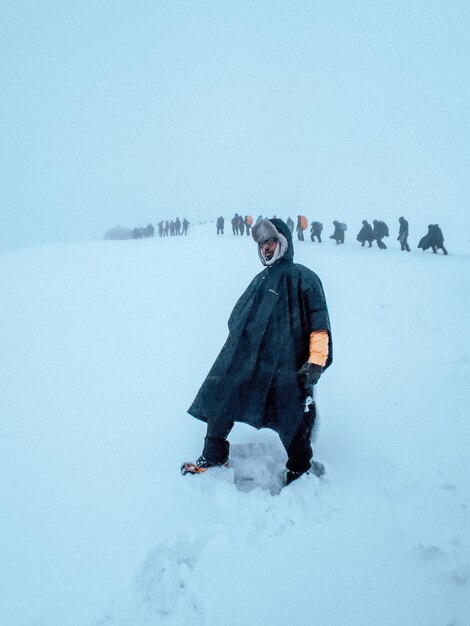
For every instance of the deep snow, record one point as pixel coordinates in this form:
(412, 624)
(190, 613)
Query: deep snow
(102, 348)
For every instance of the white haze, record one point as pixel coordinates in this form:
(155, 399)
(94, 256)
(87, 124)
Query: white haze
(124, 113)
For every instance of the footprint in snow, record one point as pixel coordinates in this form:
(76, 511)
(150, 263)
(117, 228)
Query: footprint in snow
(258, 465)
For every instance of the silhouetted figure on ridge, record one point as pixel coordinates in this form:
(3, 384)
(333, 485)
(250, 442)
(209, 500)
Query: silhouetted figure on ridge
(316, 231)
(235, 224)
(241, 225)
(338, 234)
(366, 234)
(380, 231)
(434, 239)
(403, 234)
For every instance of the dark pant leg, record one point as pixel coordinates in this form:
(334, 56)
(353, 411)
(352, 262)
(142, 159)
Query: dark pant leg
(381, 244)
(299, 448)
(216, 446)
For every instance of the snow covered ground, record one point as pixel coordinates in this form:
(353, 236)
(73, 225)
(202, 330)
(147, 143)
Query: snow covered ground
(102, 348)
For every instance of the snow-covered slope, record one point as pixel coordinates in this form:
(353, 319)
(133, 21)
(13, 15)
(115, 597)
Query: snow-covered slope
(102, 348)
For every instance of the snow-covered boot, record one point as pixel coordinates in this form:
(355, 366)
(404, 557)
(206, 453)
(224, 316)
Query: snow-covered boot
(316, 468)
(290, 476)
(199, 466)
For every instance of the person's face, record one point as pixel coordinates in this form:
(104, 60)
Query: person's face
(268, 247)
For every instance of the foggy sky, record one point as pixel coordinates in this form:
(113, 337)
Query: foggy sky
(126, 112)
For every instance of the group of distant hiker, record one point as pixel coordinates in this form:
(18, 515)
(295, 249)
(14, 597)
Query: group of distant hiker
(165, 228)
(377, 232)
(121, 233)
(173, 227)
(240, 224)
(434, 238)
(368, 233)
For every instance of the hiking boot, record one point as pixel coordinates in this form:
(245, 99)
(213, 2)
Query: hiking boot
(199, 466)
(316, 468)
(290, 476)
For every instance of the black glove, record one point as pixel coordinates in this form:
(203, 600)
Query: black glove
(309, 374)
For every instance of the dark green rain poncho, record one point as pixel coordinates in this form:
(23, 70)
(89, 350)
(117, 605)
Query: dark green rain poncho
(254, 379)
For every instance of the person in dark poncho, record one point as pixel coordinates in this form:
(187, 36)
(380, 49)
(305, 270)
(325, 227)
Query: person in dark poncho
(365, 234)
(380, 231)
(278, 346)
(437, 240)
(434, 239)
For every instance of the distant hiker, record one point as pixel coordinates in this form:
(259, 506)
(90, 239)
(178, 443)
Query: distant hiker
(437, 240)
(185, 226)
(290, 224)
(235, 224)
(403, 234)
(380, 231)
(316, 231)
(278, 346)
(150, 230)
(434, 239)
(241, 225)
(138, 233)
(248, 224)
(177, 226)
(220, 225)
(338, 234)
(299, 229)
(424, 242)
(365, 234)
